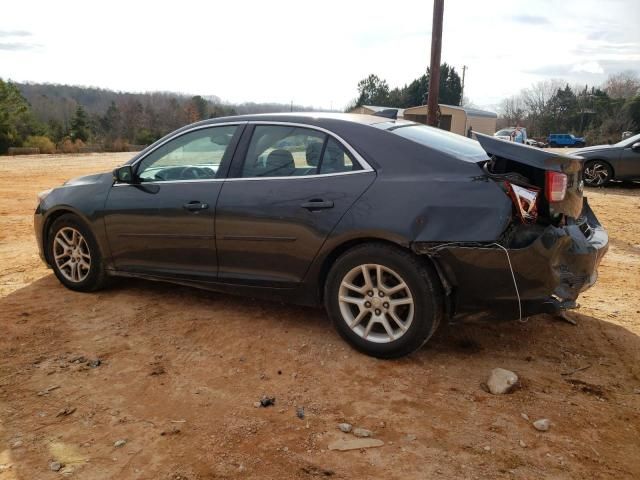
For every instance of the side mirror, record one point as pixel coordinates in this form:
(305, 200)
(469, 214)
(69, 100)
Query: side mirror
(636, 147)
(123, 174)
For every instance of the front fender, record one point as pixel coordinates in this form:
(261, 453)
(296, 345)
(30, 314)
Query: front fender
(86, 200)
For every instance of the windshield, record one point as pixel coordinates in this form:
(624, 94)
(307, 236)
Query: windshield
(505, 132)
(447, 142)
(627, 142)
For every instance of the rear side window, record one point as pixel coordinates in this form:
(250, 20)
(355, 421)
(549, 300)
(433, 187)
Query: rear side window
(336, 159)
(442, 140)
(288, 151)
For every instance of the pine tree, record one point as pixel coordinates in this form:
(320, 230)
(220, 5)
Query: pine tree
(80, 125)
(13, 110)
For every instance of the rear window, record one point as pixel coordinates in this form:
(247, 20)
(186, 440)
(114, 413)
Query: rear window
(442, 140)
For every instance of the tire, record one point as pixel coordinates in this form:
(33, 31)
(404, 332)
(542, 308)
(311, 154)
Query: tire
(597, 173)
(553, 145)
(419, 303)
(81, 270)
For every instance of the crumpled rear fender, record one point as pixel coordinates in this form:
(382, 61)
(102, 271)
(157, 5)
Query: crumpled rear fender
(553, 270)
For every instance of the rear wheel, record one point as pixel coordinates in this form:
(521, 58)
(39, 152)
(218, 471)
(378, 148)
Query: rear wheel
(74, 255)
(597, 173)
(384, 301)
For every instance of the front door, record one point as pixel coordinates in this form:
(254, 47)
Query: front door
(629, 164)
(291, 189)
(163, 224)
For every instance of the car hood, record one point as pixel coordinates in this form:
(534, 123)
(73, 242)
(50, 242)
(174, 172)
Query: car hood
(595, 148)
(89, 179)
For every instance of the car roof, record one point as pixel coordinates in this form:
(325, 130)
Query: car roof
(303, 117)
(369, 135)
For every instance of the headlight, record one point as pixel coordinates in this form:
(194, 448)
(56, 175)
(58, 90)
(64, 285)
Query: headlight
(43, 194)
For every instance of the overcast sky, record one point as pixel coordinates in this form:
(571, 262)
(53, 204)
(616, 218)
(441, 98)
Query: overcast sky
(313, 53)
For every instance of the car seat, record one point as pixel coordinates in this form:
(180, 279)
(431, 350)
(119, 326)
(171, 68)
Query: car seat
(279, 164)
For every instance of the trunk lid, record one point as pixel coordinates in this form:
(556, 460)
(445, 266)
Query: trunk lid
(533, 163)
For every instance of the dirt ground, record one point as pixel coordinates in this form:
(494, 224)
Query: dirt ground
(180, 370)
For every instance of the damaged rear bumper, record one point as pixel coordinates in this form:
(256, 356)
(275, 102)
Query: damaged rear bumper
(545, 276)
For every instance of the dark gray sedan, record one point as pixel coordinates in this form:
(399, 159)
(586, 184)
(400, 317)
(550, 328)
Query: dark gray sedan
(620, 161)
(391, 225)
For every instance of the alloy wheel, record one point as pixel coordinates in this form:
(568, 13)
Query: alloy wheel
(71, 254)
(596, 174)
(376, 303)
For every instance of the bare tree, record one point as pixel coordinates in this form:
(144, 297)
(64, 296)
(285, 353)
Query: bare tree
(513, 110)
(623, 85)
(536, 98)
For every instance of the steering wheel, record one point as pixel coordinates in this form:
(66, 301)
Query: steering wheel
(191, 173)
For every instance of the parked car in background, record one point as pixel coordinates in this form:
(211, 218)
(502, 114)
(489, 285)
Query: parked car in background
(565, 140)
(535, 143)
(352, 214)
(620, 161)
(512, 134)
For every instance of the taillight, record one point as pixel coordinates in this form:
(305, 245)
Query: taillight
(525, 200)
(555, 186)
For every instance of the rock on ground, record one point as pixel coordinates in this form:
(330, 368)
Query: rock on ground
(501, 381)
(345, 427)
(543, 424)
(362, 432)
(355, 444)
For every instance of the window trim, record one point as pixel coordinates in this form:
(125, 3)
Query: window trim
(365, 167)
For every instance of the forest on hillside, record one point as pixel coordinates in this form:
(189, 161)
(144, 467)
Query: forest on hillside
(66, 118)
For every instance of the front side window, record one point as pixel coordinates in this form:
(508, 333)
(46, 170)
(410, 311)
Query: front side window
(196, 155)
(288, 151)
(627, 142)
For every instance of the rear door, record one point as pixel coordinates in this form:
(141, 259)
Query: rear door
(290, 187)
(164, 223)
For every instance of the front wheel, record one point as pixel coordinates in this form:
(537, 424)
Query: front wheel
(597, 173)
(74, 255)
(384, 301)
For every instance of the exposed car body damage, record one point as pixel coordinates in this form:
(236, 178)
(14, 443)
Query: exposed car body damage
(547, 275)
(543, 270)
(545, 160)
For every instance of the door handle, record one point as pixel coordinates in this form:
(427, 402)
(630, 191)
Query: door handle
(195, 206)
(317, 204)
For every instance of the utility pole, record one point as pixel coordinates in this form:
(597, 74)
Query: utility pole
(434, 71)
(464, 69)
